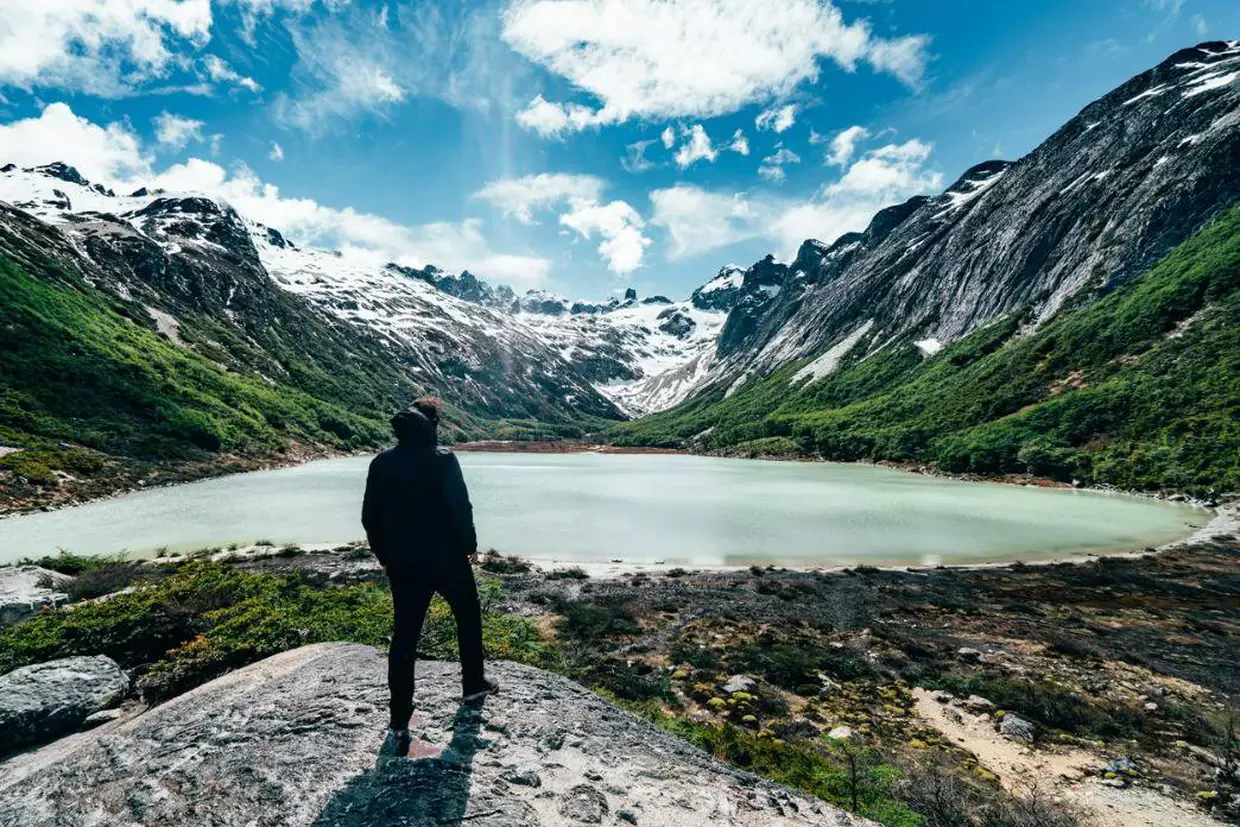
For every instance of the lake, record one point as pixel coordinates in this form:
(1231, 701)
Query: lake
(642, 508)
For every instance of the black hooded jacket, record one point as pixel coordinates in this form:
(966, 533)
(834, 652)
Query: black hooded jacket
(416, 511)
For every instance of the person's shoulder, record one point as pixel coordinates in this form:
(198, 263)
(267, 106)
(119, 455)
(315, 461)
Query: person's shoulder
(383, 457)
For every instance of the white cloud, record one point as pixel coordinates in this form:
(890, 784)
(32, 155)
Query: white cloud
(578, 199)
(772, 168)
(698, 220)
(553, 120)
(364, 63)
(174, 132)
(668, 137)
(620, 228)
(1200, 27)
(739, 142)
(696, 148)
(109, 154)
(276, 153)
(815, 138)
(113, 155)
(777, 119)
(635, 159)
(219, 71)
(520, 198)
(655, 59)
(101, 47)
(844, 144)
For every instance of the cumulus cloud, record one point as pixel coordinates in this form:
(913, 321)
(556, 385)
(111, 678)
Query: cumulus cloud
(276, 153)
(739, 142)
(520, 198)
(668, 137)
(109, 153)
(844, 144)
(777, 119)
(698, 220)
(174, 132)
(772, 168)
(658, 59)
(619, 227)
(578, 199)
(697, 147)
(114, 155)
(99, 47)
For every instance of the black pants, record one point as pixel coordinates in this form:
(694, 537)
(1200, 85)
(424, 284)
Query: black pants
(411, 596)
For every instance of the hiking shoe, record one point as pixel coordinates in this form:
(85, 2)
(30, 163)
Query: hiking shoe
(399, 740)
(477, 693)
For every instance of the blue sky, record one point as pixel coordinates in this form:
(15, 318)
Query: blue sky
(582, 146)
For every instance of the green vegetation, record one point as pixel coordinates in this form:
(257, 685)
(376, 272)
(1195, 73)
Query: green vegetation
(1138, 387)
(76, 367)
(186, 624)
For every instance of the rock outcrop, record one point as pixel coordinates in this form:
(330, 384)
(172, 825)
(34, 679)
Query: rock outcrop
(46, 700)
(24, 590)
(298, 739)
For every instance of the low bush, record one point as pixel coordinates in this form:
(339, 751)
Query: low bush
(203, 619)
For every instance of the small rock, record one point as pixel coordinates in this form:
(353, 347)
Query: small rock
(584, 804)
(968, 654)
(1151, 707)
(46, 700)
(739, 683)
(627, 815)
(526, 776)
(1122, 766)
(103, 716)
(1017, 728)
(840, 733)
(25, 590)
(977, 703)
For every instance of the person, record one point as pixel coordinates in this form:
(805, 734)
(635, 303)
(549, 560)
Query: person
(419, 522)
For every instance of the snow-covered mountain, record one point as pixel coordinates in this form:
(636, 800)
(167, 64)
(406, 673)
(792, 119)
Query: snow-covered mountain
(1133, 175)
(483, 345)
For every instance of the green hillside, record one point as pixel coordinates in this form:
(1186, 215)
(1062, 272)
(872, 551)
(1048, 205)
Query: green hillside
(1138, 388)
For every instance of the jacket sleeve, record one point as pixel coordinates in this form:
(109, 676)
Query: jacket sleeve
(372, 513)
(459, 506)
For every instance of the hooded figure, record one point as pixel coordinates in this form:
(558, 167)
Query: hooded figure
(420, 525)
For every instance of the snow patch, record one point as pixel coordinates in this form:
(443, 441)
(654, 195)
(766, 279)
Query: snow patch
(1209, 82)
(826, 364)
(929, 347)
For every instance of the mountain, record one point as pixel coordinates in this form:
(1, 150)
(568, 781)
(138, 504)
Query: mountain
(1009, 258)
(496, 354)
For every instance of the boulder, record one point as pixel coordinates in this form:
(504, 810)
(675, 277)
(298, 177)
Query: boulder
(1016, 728)
(299, 739)
(25, 590)
(739, 683)
(47, 700)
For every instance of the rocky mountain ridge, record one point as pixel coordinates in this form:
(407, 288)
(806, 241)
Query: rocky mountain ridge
(1131, 176)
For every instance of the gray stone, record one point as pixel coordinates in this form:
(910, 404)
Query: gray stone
(968, 654)
(103, 716)
(1017, 728)
(24, 590)
(526, 776)
(584, 804)
(977, 703)
(739, 683)
(46, 700)
(627, 815)
(298, 740)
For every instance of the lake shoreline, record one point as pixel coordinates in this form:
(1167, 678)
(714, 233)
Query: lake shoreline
(1222, 518)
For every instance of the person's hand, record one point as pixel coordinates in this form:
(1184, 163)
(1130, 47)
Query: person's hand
(472, 558)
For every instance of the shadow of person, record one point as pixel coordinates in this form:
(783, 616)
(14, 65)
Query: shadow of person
(431, 790)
